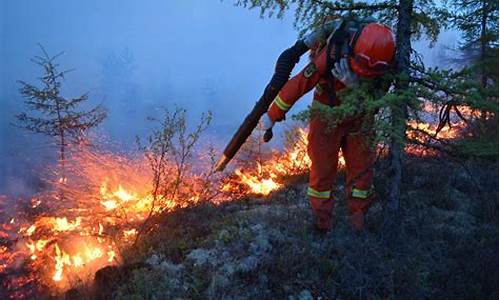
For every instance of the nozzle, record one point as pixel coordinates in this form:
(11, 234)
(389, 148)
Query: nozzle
(268, 135)
(221, 164)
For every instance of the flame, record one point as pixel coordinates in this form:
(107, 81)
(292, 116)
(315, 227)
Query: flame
(36, 246)
(115, 198)
(30, 230)
(101, 229)
(61, 259)
(265, 178)
(109, 204)
(258, 185)
(107, 197)
(86, 254)
(130, 233)
(123, 195)
(111, 255)
(446, 133)
(62, 224)
(423, 132)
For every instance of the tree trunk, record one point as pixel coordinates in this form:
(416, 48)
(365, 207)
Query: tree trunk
(399, 113)
(484, 43)
(62, 155)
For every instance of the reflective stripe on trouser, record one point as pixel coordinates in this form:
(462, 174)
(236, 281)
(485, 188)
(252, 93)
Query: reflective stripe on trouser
(323, 149)
(322, 204)
(361, 194)
(317, 194)
(359, 200)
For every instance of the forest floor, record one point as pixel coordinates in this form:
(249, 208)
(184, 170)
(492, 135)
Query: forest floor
(443, 245)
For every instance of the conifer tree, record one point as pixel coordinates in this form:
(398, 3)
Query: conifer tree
(412, 20)
(477, 21)
(51, 113)
(472, 83)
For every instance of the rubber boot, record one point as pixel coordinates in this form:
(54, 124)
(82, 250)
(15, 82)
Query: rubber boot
(358, 220)
(323, 211)
(320, 230)
(322, 227)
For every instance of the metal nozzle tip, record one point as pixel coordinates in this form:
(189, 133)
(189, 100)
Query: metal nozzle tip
(221, 164)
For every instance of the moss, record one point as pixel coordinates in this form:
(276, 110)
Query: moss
(198, 282)
(439, 248)
(144, 284)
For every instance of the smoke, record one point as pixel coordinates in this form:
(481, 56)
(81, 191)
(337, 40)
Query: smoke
(136, 57)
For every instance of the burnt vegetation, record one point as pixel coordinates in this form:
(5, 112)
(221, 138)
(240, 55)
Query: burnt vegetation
(446, 245)
(432, 232)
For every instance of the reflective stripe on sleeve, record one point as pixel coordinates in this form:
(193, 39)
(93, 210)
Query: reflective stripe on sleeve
(282, 104)
(314, 193)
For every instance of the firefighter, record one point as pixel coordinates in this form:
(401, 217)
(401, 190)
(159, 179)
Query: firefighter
(344, 51)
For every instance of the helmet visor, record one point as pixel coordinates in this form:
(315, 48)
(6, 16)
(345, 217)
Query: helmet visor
(371, 67)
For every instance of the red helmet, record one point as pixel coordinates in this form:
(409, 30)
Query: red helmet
(373, 50)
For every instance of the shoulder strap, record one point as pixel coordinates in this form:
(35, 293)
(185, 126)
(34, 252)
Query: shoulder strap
(335, 44)
(337, 39)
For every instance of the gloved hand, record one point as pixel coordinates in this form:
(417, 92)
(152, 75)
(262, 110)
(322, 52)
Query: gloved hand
(266, 122)
(343, 72)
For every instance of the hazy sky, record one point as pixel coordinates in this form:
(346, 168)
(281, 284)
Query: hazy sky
(135, 56)
(183, 51)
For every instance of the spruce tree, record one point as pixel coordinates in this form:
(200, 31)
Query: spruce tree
(52, 114)
(412, 20)
(477, 21)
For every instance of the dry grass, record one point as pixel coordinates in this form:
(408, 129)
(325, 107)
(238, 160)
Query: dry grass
(444, 244)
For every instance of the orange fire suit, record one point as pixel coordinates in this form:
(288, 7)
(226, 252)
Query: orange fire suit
(324, 144)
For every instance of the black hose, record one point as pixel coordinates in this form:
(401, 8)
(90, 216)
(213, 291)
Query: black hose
(285, 63)
(284, 66)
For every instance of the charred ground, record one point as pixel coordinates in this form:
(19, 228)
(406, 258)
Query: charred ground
(443, 245)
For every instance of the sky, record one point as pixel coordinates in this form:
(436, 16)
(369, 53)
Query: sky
(136, 57)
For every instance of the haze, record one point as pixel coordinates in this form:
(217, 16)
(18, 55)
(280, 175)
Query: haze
(135, 57)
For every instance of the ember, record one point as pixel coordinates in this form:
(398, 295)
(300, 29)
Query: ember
(98, 207)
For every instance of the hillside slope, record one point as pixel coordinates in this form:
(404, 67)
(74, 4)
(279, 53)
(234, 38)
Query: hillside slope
(445, 245)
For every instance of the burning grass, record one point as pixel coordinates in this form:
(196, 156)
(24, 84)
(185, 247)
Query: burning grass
(99, 205)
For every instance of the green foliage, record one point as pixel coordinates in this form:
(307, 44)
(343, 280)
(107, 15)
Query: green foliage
(354, 104)
(475, 86)
(54, 115)
(363, 102)
(144, 283)
(478, 148)
(168, 150)
(478, 22)
(428, 20)
(311, 13)
(199, 283)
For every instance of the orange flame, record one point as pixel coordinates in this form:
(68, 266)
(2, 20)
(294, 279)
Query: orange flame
(107, 196)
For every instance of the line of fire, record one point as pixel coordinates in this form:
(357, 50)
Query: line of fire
(376, 110)
(80, 224)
